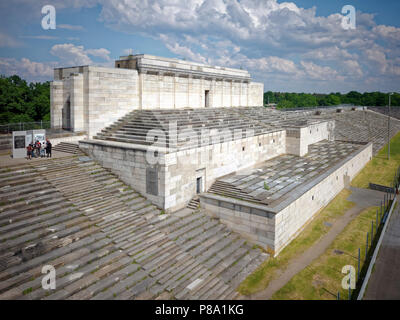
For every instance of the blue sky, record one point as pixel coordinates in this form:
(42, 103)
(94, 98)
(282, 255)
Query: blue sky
(297, 46)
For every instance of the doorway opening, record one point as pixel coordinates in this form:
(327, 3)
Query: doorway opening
(66, 115)
(198, 185)
(207, 98)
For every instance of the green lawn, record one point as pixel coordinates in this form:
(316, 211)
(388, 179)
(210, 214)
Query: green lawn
(260, 279)
(321, 280)
(380, 170)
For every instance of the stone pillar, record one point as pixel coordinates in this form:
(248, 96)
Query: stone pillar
(189, 83)
(202, 95)
(174, 93)
(77, 107)
(213, 95)
(231, 104)
(56, 103)
(141, 88)
(160, 78)
(248, 93)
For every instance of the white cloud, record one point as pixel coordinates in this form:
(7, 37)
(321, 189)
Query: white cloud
(70, 27)
(41, 37)
(266, 37)
(71, 55)
(26, 68)
(101, 53)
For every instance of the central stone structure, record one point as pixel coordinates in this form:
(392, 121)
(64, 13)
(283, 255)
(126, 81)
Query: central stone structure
(174, 130)
(89, 98)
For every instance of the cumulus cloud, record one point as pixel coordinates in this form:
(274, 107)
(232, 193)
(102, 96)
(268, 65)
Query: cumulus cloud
(281, 44)
(72, 55)
(265, 37)
(26, 68)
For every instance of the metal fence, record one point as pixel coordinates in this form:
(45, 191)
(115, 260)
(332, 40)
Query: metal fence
(372, 237)
(22, 126)
(317, 107)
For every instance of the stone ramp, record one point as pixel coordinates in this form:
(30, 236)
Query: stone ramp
(108, 242)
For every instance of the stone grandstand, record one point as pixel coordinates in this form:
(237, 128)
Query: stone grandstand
(394, 111)
(350, 125)
(108, 242)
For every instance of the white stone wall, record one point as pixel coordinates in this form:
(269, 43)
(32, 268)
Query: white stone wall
(258, 226)
(177, 171)
(99, 96)
(298, 139)
(129, 164)
(274, 231)
(256, 94)
(167, 91)
(56, 103)
(111, 94)
(77, 106)
(212, 162)
(292, 219)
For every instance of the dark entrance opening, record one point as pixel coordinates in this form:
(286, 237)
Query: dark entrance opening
(198, 185)
(207, 98)
(66, 116)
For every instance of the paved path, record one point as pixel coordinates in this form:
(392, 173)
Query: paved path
(384, 283)
(363, 198)
(7, 160)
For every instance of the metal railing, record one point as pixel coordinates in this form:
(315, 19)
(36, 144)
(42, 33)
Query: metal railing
(317, 107)
(22, 126)
(373, 240)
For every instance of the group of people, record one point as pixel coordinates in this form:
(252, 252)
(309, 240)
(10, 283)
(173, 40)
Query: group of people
(39, 149)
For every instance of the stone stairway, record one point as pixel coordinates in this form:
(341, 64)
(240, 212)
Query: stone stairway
(194, 204)
(106, 241)
(133, 128)
(68, 148)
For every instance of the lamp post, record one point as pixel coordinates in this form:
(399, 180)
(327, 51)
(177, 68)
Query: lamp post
(389, 127)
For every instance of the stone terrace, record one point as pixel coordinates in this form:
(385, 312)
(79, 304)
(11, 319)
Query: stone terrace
(282, 174)
(108, 242)
(394, 111)
(360, 126)
(134, 127)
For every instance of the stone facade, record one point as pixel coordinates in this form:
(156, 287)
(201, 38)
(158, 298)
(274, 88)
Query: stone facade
(88, 98)
(274, 228)
(177, 172)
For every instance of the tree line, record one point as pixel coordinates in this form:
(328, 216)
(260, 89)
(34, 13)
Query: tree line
(297, 100)
(23, 102)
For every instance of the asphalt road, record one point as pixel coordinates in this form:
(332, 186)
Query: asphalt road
(384, 283)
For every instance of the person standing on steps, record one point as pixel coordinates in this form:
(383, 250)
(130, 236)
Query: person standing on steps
(29, 150)
(48, 148)
(43, 149)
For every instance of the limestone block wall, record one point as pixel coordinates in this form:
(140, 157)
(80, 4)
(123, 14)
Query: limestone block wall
(251, 221)
(76, 103)
(214, 161)
(56, 103)
(298, 139)
(292, 219)
(129, 164)
(169, 91)
(276, 228)
(256, 94)
(111, 94)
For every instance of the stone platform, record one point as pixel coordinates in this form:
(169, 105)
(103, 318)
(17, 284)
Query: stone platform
(270, 203)
(108, 242)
